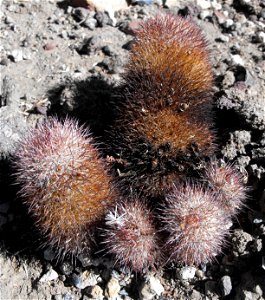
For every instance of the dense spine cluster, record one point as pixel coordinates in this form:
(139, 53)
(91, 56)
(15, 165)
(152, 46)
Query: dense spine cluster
(63, 183)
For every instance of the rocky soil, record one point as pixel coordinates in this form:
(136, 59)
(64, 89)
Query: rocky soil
(57, 59)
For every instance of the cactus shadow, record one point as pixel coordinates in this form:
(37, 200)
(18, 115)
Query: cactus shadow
(90, 101)
(18, 238)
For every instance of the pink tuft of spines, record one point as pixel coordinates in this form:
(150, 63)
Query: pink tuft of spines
(131, 237)
(228, 185)
(195, 224)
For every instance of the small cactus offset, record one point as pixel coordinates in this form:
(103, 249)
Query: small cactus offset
(228, 184)
(195, 225)
(63, 183)
(131, 236)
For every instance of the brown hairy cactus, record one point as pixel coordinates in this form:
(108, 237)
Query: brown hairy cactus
(63, 183)
(164, 125)
(169, 63)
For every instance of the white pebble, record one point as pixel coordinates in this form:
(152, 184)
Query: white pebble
(113, 288)
(204, 4)
(49, 276)
(17, 55)
(261, 37)
(186, 273)
(237, 60)
(228, 23)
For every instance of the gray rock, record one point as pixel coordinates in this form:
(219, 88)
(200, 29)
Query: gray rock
(226, 285)
(85, 279)
(240, 241)
(151, 288)
(66, 268)
(80, 13)
(90, 23)
(229, 79)
(49, 254)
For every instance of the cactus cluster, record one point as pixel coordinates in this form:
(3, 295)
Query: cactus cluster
(156, 208)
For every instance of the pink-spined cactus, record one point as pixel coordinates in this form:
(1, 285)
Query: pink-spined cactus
(228, 185)
(195, 224)
(131, 237)
(64, 183)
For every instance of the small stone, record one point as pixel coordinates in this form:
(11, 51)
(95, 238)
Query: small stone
(66, 268)
(199, 274)
(152, 287)
(229, 79)
(205, 13)
(226, 285)
(49, 276)
(80, 13)
(228, 23)
(85, 279)
(260, 36)
(97, 293)
(49, 254)
(237, 60)
(4, 62)
(17, 55)
(112, 288)
(258, 290)
(186, 273)
(90, 23)
(26, 54)
(204, 4)
(240, 240)
(103, 19)
(216, 5)
(85, 260)
(223, 38)
(69, 296)
(247, 295)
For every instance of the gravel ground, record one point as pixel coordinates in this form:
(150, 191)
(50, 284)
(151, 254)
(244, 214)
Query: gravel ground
(57, 59)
